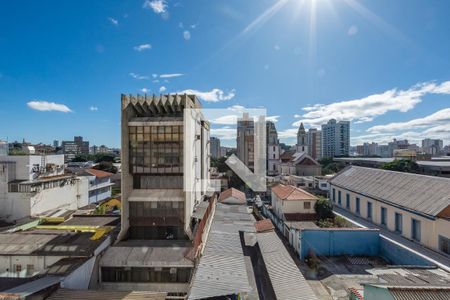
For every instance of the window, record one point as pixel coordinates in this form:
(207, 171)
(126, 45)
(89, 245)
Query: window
(334, 195)
(307, 205)
(357, 205)
(30, 270)
(383, 216)
(18, 268)
(339, 198)
(369, 210)
(398, 223)
(415, 230)
(444, 244)
(162, 275)
(347, 201)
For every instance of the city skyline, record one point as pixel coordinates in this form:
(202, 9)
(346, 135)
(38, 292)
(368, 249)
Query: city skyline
(349, 60)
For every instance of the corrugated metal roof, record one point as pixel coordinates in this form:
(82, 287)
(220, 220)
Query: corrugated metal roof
(425, 194)
(66, 294)
(222, 269)
(423, 293)
(287, 280)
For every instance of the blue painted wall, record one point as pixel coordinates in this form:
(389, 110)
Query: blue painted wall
(397, 255)
(329, 242)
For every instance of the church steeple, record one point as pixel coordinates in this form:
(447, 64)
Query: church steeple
(301, 139)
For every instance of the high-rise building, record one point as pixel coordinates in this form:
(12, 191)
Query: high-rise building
(55, 144)
(432, 146)
(74, 148)
(214, 144)
(165, 171)
(4, 147)
(314, 142)
(302, 139)
(245, 141)
(336, 138)
(273, 149)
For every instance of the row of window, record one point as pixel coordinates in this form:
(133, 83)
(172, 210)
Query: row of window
(159, 275)
(398, 218)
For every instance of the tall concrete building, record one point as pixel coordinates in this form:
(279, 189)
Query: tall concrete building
(214, 145)
(165, 172)
(314, 142)
(432, 146)
(302, 139)
(273, 149)
(74, 148)
(245, 141)
(4, 147)
(336, 138)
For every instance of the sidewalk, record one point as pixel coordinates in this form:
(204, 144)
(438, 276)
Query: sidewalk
(439, 259)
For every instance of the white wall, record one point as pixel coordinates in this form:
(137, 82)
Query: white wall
(40, 264)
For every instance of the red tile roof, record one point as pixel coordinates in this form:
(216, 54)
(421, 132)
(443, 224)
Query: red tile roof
(264, 225)
(234, 193)
(99, 173)
(289, 192)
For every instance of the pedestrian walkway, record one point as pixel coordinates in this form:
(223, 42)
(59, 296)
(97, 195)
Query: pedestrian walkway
(439, 259)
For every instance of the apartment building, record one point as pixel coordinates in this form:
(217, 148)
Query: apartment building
(414, 206)
(432, 146)
(314, 141)
(100, 185)
(336, 138)
(33, 184)
(245, 141)
(165, 171)
(74, 148)
(214, 145)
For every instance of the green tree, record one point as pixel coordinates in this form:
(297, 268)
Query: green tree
(324, 209)
(402, 165)
(106, 166)
(99, 157)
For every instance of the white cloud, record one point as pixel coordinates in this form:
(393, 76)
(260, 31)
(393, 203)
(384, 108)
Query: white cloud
(352, 30)
(139, 77)
(368, 108)
(48, 106)
(170, 75)
(224, 133)
(215, 95)
(162, 89)
(276, 47)
(142, 47)
(272, 118)
(187, 35)
(93, 108)
(113, 21)
(145, 90)
(158, 6)
(437, 118)
(288, 133)
(154, 75)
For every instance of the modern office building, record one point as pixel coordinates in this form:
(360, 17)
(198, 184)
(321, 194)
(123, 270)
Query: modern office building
(273, 149)
(314, 141)
(214, 144)
(302, 139)
(74, 148)
(414, 206)
(165, 172)
(336, 138)
(31, 185)
(432, 146)
(55, 144)
(245, 141)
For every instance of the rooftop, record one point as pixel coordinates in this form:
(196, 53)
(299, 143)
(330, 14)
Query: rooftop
(290, 192)
(428, 195)
(232, 193)
(98, 173)
(66, 294)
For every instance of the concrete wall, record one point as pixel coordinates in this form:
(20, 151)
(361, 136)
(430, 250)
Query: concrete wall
(430, 228)
(395, 254)
(81, 277)
(335, 242)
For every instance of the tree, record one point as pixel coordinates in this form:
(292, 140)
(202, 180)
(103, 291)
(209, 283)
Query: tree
(99, 157)
(402, 165)
(106, 166)
(329, 166)
(324, 209)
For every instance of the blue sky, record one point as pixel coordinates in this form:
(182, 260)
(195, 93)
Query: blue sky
(383, 64)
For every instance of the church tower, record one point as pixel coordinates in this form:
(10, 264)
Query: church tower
(302, 140)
